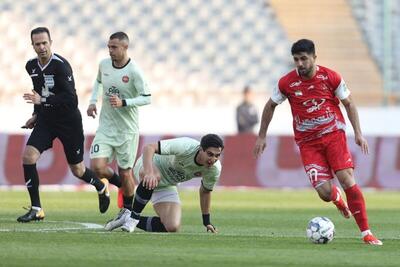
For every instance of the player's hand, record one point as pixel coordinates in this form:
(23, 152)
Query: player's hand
(33, 98)
(362, 142)
(115, 101)
(212, 229)
(92, 111)
(150, 181)
(29, 124)
(259, 147)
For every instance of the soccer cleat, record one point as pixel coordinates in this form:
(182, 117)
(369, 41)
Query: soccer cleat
(129, 225)
(104, 197)
(372, 240)
(32, 215)
(122, 216)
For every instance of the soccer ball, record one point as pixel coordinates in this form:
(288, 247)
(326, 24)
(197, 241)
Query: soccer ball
(320, 230)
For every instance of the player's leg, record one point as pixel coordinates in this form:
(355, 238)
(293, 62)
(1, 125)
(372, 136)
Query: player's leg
(72, 139)
(39, 140)
(341, 162)
(142, 197)
(125, 156)
(166, 204)
(357, 206)
(320, 174)
(101, 154)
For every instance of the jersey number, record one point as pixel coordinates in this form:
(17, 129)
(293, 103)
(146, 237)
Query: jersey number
(95, 149)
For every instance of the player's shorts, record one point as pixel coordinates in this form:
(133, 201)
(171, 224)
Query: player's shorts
(69, 132)
(325, 155)
(123, 149)
(165, 194)
(162, 193)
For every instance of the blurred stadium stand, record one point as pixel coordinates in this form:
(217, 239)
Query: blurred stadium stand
(200, 52)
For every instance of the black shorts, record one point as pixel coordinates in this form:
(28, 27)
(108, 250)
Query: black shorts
(69, 132)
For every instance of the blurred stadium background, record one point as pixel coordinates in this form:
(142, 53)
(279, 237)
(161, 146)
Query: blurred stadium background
(197, 56)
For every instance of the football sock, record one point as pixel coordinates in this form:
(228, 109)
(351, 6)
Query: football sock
(356, 203)
(115, 180)
(32, 183)
(142, 197)
(90, 177)
(336, 197)
(128, 202)
(151, 224)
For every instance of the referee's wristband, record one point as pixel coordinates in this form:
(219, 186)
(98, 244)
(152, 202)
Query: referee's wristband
(206, 219)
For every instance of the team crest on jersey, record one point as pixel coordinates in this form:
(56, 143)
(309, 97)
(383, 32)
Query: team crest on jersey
(322, 77)
(125, 79)
(298, 93)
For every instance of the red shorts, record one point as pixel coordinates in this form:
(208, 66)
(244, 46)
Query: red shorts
(325, 155)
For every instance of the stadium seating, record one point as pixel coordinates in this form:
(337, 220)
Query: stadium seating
(194, 50)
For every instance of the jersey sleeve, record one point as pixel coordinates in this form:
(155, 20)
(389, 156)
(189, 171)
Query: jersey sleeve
(175, 146)
(36, 108)
(277, 96)
(97, 87)
(211, 178)
(142, 87)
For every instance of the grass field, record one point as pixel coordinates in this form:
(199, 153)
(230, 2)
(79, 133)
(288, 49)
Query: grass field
(256, 228)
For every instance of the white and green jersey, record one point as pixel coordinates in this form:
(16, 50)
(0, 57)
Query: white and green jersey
(127, 83)
(176, 162)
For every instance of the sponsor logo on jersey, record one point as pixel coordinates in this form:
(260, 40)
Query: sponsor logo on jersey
(322, 77)
(69, 78)
(125, 79)
(313, 104)
(311, 87)
(293, 84)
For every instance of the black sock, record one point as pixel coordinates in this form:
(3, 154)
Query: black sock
(142, 196)
(32, 183)
(90, 177)
(115, 180)
(151, 224)
(128, 202)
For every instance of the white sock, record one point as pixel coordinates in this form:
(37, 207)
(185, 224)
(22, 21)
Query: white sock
(36, 208)
(365, 233)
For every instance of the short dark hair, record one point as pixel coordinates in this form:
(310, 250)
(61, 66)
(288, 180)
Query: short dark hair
(303, 45)
(246, 89)
(40, 30)
(120, 36)
(211, 140)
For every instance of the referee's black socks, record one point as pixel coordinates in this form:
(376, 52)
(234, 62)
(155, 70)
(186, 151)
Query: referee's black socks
(32, 183)
(90, 177)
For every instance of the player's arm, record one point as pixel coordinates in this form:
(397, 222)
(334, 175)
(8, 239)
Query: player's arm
(92, 109)
(268, 113)
(150, 179)
(205, 204)
(352, 114)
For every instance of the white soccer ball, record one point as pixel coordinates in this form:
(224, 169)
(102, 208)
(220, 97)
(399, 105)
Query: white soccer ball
(320, 230)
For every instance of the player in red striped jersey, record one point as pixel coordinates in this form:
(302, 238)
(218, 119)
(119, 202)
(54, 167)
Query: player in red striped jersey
(314, 93)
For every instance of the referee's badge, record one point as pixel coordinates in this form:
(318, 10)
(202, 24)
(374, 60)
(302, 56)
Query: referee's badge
(48, 81)
(125, 79)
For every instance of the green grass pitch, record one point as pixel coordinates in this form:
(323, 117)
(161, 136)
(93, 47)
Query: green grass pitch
(256, 228)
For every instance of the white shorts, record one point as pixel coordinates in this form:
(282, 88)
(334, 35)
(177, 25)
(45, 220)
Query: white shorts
(166, 194)
(124, 151)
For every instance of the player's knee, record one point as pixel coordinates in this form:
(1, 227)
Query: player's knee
(30, 157)
(99, 170)
(172, 227)
(325, 196)
(77, 170)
